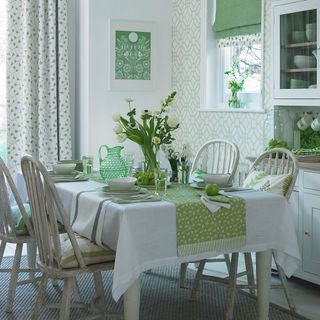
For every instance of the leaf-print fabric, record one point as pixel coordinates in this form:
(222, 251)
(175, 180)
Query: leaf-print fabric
(32, 84)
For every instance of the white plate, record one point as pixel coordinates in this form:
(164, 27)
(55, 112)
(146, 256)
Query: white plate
(201, 186)
(133, 191)
(196, 186)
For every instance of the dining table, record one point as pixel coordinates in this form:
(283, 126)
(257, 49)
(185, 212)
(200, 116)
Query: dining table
(144, 236)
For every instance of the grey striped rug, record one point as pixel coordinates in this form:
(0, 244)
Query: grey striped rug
(161, 299)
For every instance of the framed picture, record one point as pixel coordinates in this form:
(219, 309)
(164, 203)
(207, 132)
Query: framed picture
(132, 55)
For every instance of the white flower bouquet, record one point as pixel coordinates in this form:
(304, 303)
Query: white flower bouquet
(152, 130)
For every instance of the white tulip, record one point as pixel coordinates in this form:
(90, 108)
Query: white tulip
(172, 122)
(121, 137)
(116, 117)
(156, 140)
(129, 100)
(117, 129)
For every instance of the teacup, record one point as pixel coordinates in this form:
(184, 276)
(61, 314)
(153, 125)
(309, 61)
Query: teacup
(298, 36)
(297, 83)
(315, 125)
(305, 121)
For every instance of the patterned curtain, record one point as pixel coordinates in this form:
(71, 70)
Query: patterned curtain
(38, 81)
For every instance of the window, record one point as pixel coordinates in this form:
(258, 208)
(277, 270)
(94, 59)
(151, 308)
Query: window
(3, 109)
(247, 58)
(243, 51)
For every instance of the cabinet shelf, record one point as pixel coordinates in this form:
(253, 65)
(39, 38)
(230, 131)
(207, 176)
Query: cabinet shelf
(300, 70)
(312, 44)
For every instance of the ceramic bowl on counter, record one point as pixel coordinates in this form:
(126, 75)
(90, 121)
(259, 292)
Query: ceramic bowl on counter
(302, 61)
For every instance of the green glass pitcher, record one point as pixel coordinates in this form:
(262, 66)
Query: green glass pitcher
(112, 165)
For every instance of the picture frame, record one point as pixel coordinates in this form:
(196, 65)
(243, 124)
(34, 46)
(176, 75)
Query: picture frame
(132, 55)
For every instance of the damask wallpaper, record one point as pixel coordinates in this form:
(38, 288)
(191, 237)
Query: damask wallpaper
(245, 129)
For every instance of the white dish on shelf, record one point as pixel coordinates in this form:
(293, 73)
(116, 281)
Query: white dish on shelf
(302, 61)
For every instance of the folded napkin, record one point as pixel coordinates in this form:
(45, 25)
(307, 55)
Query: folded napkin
(72, 177)
(214, 203)
(149, 198)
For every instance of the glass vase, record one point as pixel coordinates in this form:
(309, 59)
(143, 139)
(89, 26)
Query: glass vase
(150, 157)
(234, 101)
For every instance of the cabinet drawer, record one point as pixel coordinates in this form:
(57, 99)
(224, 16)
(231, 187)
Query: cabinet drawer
(311, 180)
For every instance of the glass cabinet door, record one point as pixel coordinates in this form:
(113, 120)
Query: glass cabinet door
(296, 49)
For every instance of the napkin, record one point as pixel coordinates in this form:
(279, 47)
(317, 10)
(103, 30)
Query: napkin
(214, 203)
(150, 198)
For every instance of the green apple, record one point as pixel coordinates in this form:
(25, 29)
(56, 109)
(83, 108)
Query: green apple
(212, 189)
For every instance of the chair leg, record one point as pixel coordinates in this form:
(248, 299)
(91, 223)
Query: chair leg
(14, 277)
(232, 286)
(284, 282)
(32, 256)
(196, 281)
(249, 270)
(65, 304)
(76, 290)
(41, 291)
(227, 259)
(98, 283)
(183, 272)
(2, 248)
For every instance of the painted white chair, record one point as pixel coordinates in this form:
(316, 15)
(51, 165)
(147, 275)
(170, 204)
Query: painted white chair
(15, 227)
(277, 161)
(219, 157)
(61, 256)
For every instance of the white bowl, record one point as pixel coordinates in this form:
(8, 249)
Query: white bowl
(222, 180)
(63, 168)
(304, 61)
(126, 183)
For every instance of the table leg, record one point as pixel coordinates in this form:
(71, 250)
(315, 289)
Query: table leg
(263, 283)
(32, 255)
(132, 301)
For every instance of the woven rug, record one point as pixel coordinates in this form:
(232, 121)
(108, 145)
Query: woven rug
(161, 299)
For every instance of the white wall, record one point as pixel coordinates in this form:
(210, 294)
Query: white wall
(95, 103)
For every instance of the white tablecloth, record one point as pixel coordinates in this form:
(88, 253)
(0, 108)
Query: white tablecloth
(144, 234)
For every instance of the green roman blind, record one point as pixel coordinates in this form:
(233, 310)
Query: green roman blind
(237, 17)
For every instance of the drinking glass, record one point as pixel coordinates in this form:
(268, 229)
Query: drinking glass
(129, 160)
(160, 180)
(183, 173)
(87, 163)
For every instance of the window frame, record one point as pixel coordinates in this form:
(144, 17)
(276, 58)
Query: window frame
(211, 58)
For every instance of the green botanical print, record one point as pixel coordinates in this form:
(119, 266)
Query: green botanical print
(256, 179)
(286, 184)
(133, 55)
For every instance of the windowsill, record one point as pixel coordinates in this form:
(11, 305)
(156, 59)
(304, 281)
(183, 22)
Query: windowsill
(240, 110)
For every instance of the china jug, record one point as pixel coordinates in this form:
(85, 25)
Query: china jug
(112, 166)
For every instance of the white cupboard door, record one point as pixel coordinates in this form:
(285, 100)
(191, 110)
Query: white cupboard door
(311, 234)
(295, 45)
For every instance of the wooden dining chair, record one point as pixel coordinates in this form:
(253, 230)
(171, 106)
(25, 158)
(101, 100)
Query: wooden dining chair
(275, 162)
(219, 157)
(61, 256)
(16, 228)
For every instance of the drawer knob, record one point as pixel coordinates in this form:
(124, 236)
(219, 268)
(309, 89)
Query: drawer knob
(307, 233)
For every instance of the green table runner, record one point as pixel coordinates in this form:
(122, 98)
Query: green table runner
(199, 230)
